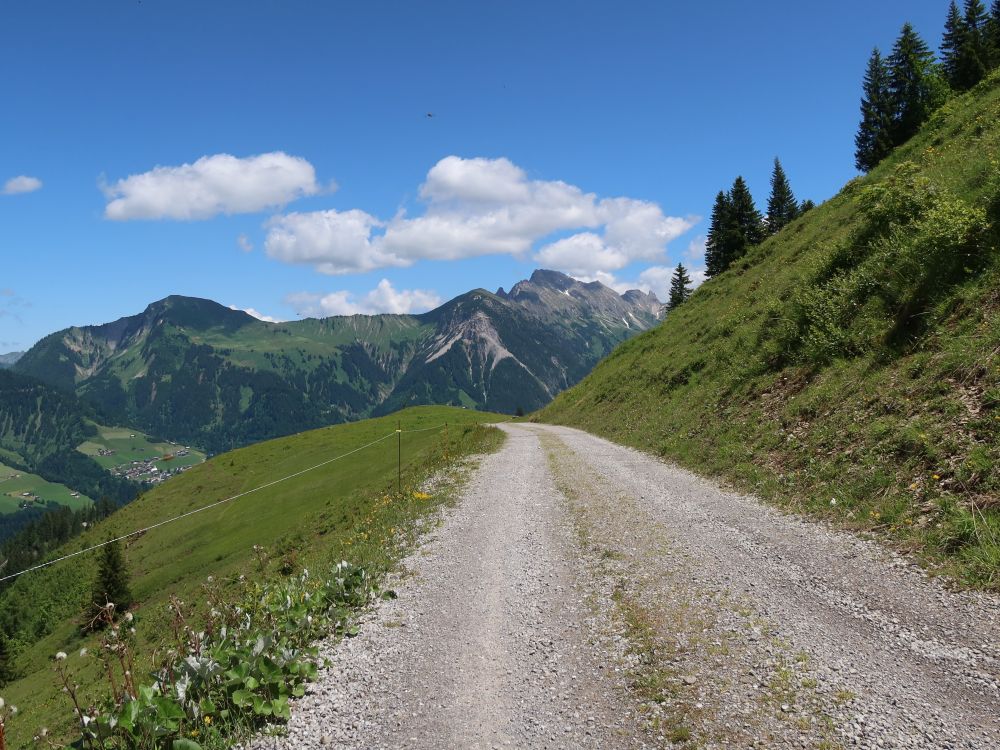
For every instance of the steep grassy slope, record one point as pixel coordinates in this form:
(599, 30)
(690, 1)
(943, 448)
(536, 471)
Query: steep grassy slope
(847, 367)
(347, 509)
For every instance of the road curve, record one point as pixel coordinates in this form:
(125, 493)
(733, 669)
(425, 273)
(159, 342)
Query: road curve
(583, 594)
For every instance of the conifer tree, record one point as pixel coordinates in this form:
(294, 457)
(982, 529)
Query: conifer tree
(952, 43)
(714, 249)
(6, 661)
(680, 288)
(745, 218)
(874, 139)
(992, 35)
(913, 82)
(111, 585)
(782, 207)
(806, 205)
(974, 57)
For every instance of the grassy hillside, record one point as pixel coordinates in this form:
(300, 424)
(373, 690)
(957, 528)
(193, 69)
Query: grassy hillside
(21, 488)
(345, 510)
(848, 367)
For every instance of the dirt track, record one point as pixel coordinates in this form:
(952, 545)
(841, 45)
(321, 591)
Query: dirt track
(582, 594)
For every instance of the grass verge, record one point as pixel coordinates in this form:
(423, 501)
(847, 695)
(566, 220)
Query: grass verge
(348, 510)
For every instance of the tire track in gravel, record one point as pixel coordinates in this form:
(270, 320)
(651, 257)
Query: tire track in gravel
(920, 663)
(490, 642)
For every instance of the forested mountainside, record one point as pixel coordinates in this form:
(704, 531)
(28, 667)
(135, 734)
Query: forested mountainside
(40, 429)
(195, 371)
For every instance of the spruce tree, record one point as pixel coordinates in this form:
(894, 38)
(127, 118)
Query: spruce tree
(714, 249)
(952, 43)
(680, 288)
(111, 585)
(974, 57)
(781, 205)
(992, 36)
(744, 217)
(874, 139)
(806, 205)
(6, 661)
(913, 84)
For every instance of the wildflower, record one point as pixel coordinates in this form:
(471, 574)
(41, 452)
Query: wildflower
(2, 704)
(208, 719)
(61, 656)
(129, 617)
(833, 501)
(83, 652)
(936, 476)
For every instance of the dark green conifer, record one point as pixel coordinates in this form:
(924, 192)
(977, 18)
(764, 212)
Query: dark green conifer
(952, 43)
(112, 581)
(992, 35)
(806, 205)
(974, 57)
(714, 249)
(680, 288)
(874, 139)
(745, 217)
(6, 661)
(782, 207)
(914, 83)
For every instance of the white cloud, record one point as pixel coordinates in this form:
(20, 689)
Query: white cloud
(21, 184)
(333, 241)
(256, 314)
(479, 207)
(582, 254)
(245, 244)
(382, 299)
(218, 184)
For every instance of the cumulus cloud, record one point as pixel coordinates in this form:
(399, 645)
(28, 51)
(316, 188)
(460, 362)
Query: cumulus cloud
(382, 299)
(218, 184)
(333, 241)
(21, 184)
(478, 207)
(257, 314)
(244, 243)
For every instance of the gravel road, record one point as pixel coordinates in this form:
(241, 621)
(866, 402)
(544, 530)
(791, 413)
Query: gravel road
(583, 594)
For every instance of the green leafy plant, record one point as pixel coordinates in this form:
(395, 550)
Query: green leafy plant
(234, 673)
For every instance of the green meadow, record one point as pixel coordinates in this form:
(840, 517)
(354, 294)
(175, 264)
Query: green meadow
(131, 445)
(18, 486)
(347, 509)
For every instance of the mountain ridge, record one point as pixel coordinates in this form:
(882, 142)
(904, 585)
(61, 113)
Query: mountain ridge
(196, 371)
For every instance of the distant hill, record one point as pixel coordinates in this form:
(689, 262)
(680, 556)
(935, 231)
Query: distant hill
(10, 359)
(195, 371)
(40, 429)
(849, 365)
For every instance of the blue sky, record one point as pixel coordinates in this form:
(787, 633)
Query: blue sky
(585, 136)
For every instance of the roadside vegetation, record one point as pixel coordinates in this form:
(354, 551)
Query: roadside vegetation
(249, 553)
(846, 366)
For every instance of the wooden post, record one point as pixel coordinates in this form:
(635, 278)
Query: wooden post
(399, 457)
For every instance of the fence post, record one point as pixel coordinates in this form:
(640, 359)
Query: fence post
(446, 442)
(399, 457)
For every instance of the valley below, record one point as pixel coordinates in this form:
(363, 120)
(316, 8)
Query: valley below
(584, 594)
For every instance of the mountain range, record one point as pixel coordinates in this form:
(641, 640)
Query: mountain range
(195, 371)
(9, 359)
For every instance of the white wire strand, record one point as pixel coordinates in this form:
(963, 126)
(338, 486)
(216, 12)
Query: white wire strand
(198, 510)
